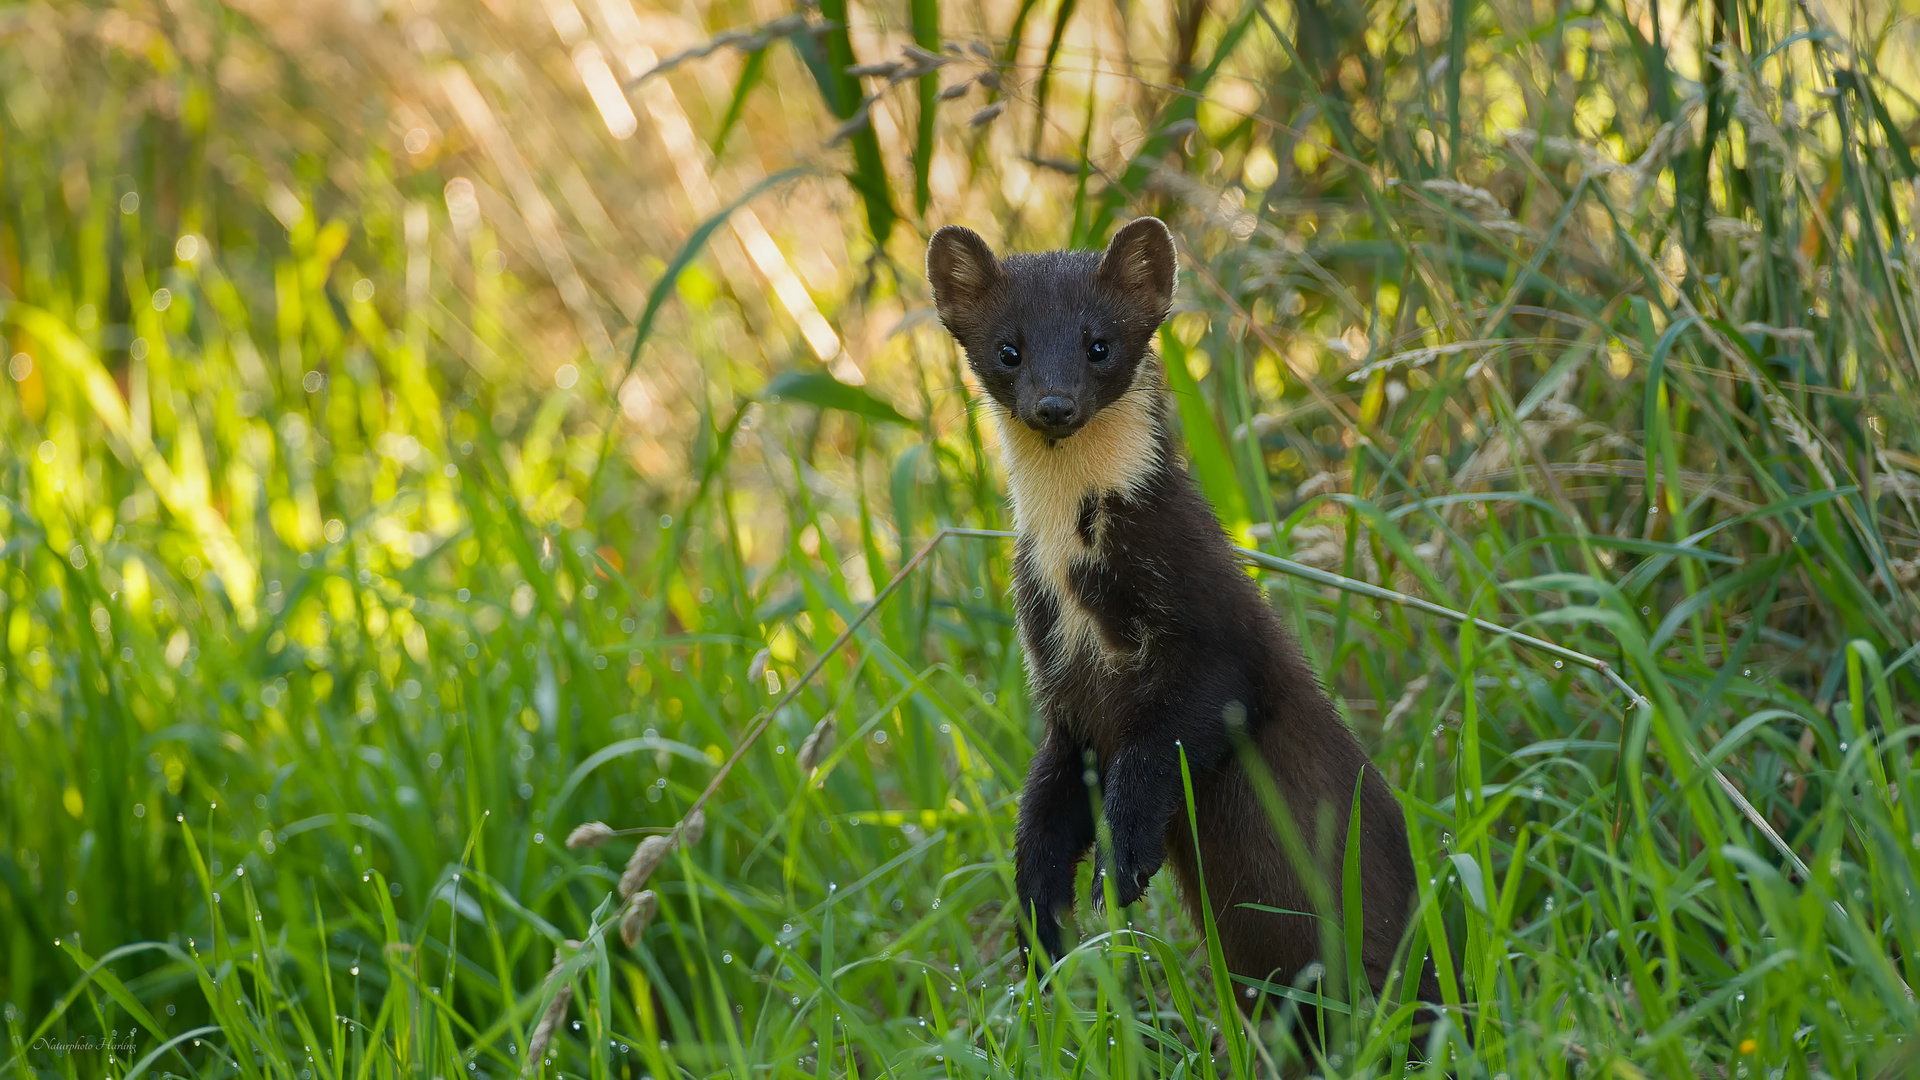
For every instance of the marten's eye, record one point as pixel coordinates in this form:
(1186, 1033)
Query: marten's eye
(1097, 351)
(1009, 356)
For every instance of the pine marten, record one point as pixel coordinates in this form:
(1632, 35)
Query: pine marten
(1143, 636)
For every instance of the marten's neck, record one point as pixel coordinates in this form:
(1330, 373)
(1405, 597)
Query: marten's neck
(1063, 492)
(1116, 453)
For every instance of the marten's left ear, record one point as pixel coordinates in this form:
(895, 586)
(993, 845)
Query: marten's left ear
(1141, 266)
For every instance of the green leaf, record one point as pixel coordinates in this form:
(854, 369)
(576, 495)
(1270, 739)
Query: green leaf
(1354, 919)
(1019, 30)
(1205, 448)
(827, 392)
(926, 34)
(1061, 18)
(750, 75)
(664, 288)
(695, 243)
(843, 95)
(1470, 878)
(1896, 143)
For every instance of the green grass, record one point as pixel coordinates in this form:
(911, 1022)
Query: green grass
(339, 583)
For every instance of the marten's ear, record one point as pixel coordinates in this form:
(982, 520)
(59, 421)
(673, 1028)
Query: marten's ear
(1140, 265)
(964, 274)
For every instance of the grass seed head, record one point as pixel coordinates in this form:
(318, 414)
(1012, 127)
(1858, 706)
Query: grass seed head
(818, 745)
(590, 835)
(859, 121)
(919, 62)
(693, 828)
(640, 867)
(985, 116)
(542, 1036)
(641, 908)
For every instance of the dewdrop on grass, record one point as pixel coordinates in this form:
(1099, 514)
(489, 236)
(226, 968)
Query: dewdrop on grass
(641, 866)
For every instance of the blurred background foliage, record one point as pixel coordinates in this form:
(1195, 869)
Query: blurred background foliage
(432, 424)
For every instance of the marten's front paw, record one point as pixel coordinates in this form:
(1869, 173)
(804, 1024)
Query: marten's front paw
(1134, 865)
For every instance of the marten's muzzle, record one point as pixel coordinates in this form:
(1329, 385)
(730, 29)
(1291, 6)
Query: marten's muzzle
(1056, 415)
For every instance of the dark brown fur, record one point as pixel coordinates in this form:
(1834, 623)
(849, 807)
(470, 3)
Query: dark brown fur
(1144, 636)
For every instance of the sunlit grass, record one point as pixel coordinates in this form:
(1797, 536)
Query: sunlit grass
(355, 548)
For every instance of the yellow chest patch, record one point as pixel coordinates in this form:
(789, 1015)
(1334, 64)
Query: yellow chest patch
(1114, 454)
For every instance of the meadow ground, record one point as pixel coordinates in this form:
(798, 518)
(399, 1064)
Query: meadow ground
(431, 427)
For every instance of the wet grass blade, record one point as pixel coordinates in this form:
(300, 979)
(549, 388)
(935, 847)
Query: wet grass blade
(843, 94)
(926, 34)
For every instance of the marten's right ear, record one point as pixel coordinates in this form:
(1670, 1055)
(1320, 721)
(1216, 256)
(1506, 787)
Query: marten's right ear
(964, 274)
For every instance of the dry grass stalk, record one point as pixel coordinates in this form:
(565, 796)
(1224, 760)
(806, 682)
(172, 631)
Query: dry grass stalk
(745, 41)
(1409, 697)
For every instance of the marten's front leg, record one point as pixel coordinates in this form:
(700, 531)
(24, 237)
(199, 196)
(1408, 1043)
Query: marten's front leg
(1142, 784)
(1143, 787)
(1055, 830)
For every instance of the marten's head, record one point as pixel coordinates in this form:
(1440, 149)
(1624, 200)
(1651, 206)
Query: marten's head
(1058, 336)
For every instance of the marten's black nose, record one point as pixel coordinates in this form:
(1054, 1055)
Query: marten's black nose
(1055, 410)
